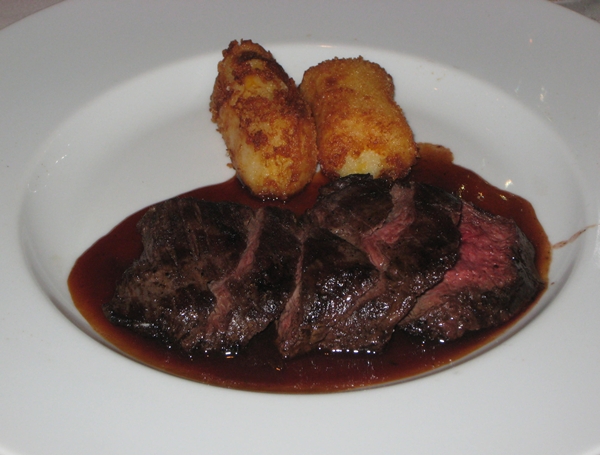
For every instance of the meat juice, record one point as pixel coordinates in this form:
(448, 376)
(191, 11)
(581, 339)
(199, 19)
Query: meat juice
(259, 366)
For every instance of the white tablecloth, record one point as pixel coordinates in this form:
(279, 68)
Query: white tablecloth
(13, 10)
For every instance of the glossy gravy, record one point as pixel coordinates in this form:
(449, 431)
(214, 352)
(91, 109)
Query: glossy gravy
(259, 366)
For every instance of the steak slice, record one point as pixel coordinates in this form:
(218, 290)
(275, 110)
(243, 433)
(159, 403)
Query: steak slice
(256, 292)
(353, 206)
(493, 279)
(420, 239)
(334, 275)
(187, 245)
(385, 248)
(409, 230)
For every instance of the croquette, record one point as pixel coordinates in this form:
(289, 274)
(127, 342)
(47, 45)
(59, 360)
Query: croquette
(266, 124)
(360, 127)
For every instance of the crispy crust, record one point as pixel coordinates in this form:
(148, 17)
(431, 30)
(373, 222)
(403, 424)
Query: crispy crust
(360, 127)
(267, 126)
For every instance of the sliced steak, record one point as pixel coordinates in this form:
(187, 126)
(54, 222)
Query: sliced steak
(420, 240)
(334, 276)
(255, 293)
(187, 245)
(494, 278)
(369, 257)
(353, 206)
(409, 230)
(387, 248)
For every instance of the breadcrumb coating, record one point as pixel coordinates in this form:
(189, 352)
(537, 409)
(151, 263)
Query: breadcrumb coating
(360, 127)
(266, 124)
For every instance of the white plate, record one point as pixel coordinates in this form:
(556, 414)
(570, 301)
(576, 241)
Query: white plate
(104, 109)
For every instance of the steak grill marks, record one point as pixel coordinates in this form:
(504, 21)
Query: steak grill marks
(370, 256)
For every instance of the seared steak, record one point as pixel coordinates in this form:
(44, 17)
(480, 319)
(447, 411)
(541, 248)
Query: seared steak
(188, 244)
(399, 243)
(335, 277)
(353, 206)
(408, 230)
(370, 256)
(492, 281)
(255, 293)
(212, 275)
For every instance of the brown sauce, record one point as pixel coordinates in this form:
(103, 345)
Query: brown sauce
(259, 366)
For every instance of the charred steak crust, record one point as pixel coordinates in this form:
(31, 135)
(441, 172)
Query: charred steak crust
(334, 277)
(255, 293)
(493, 279)
(187, 245)
(406, 235)
(369, 257)
(428, 245)
(353, 206)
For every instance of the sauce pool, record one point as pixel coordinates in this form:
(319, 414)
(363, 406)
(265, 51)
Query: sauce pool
(259, 366)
